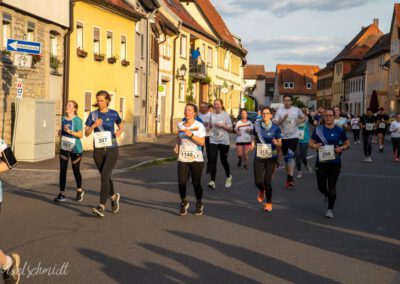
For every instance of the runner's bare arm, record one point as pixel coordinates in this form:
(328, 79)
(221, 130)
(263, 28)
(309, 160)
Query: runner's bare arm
(120, 129)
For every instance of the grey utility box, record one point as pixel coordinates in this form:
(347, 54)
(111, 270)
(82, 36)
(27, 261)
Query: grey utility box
(35, 130)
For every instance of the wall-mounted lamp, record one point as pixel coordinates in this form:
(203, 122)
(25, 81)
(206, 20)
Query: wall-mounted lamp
(181, 72)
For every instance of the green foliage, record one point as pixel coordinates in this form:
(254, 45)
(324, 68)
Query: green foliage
(189, 92)
(206, 81)
(250, 104)
(55, 62)
(298, 103)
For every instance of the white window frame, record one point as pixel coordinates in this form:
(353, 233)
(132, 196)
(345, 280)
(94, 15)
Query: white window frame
(110, 44)
(30, 33)
(124, 47)
(136, 83)
(97, 50)
(54, 44)
(182, 93)
(80, 35)
(183, 46)
(308, 85)
(122, 112)
(210, 55)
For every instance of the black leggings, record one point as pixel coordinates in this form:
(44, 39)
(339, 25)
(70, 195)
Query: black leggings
(76, 162)
(194, 169)
(208, 151)
(396, 146)
(223, 154)
(105, 160)
(263, 172)
(328, 174)
(367, 143)
(301, 155)
(356, 133)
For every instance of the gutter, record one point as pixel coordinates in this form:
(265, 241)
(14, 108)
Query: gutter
(173, 78)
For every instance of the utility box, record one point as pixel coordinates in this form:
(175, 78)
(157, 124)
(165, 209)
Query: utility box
(35, 130)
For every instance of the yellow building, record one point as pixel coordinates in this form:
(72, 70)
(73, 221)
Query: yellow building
(102, 56)
(394, 65)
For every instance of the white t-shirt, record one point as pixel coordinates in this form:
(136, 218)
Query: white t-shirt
(395, 129)
(198, 130)
(206, 118)
(355, 123)
(245, 131)
(219, 135)
(289, 125)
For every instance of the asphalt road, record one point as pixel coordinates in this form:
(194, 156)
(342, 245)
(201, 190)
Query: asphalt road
(233, 242)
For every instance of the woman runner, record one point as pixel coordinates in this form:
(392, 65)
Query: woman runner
(243, 129)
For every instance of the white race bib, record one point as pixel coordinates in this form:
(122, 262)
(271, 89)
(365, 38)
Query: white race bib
(326, 153)
(188, 154)
(382, 125)
(301, 134)
(369, 126)
(67, 144)
(102, 139)
(264, 151)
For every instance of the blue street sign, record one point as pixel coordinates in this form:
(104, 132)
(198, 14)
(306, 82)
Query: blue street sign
(30, 47)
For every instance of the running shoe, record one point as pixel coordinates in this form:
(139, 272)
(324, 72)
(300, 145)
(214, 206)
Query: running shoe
(291, 184)
(228, 181)
(199, 209)
(115, 204)
(366, 159)
(369, 159)
(99, 211)
(211, 185)
(261, 196)
(299, 174)
(268, 207)
(329, 214)
(245, 167)
(60, 198)
(79, 195)
(184, 208)
(12, 275)
(397, 160)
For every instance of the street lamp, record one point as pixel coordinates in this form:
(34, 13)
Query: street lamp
(181, 72)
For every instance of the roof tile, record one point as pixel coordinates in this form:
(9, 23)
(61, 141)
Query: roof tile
(299, 75)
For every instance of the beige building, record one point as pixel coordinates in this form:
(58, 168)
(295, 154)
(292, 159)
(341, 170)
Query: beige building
(394, 69)
(324, 86)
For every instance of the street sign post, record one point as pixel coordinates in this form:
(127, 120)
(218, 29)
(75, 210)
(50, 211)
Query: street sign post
(20, 89)
(23, 46)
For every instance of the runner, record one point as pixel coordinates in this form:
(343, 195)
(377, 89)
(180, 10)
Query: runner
(302, 149)
(221, 125)
(243, 129)
(287, 118)
(205, 116)
(326, 139)
(268, 142)
(105, 152)
(340, 120)
(368, 123)
(71, 148)
(383, 122)
(355, 127)
(9, 266)
(395, 137)
(191, 137)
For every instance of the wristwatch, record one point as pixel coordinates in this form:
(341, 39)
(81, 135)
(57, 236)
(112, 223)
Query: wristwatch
(191, 136)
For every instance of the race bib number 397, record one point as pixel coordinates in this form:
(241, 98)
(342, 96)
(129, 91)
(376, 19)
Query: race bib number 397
(102, 139)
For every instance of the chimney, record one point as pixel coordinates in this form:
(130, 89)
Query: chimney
(376, 22)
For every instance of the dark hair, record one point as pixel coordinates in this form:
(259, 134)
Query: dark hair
(288, 96)
(381, 108)
(206, 104)
(332, 109)
(75, 106)
(242, 110)
(369, 109)
(192, 105)
(106, 95)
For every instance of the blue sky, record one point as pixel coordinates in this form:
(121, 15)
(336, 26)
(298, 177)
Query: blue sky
(300, 31)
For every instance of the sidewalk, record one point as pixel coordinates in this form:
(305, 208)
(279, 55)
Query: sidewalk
(31, 175)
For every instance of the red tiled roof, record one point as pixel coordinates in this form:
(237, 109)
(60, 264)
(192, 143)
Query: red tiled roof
(122, 6)
(254, 71)
(218, 24)
(381, 46)
(299, 75)
(358, 70)
(270, 77)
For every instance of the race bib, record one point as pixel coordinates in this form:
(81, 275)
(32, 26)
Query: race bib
(102, 139)
(382, 125)
(301, 134)
(369, 126)
(188, 154)
(326, 153)
(67, 144)
(3, 145)
(264, 151)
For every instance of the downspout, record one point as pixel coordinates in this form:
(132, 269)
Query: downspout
(148, 69)
(158, 81)
(173, 78)
(67, 53)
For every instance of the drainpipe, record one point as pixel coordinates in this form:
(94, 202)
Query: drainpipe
(67, 53)
(173, 78)
(158, 81)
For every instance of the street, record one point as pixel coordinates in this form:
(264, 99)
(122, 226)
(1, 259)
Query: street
(233, 242)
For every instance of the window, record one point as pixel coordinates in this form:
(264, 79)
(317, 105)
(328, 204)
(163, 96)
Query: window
(182, 92)
(6, 28)
(88, 101)
(79, 35)
(122, 108)
(142, 45)
(308, 85)
(209, 56)
(123, 48)
(183, 47)
(30, 35)
(109, 44)
(136, 83)
(288, 85)
(96, 40)
(203, 52)
(235, 66)
(53, 44)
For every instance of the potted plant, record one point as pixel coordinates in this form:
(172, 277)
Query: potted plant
(55, 63)
(125, 62)
(81, 53)
(98, 57)
(112, 59)
(36, 58)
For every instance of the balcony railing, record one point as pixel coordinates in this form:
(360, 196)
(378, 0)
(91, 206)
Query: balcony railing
(197, 69)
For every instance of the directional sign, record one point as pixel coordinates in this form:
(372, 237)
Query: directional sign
(30, 47)
(23, 60)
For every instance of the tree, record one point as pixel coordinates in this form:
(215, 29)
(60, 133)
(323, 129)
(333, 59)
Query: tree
(298, 103)
(189, 92)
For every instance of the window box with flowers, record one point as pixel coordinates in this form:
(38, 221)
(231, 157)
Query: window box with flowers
(81, 53)
(36, 58)
(55, 64)
(112, 59)
(125, 62)
(98, 57)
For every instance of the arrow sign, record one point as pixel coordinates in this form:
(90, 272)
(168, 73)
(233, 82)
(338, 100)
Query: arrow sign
(30, 47)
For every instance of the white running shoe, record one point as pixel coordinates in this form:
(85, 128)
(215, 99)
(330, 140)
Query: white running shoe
(228, 181)
(329, 214)
(309, 169)
(211, 185)
(369, 159)
(299, 174)
(366, 159)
